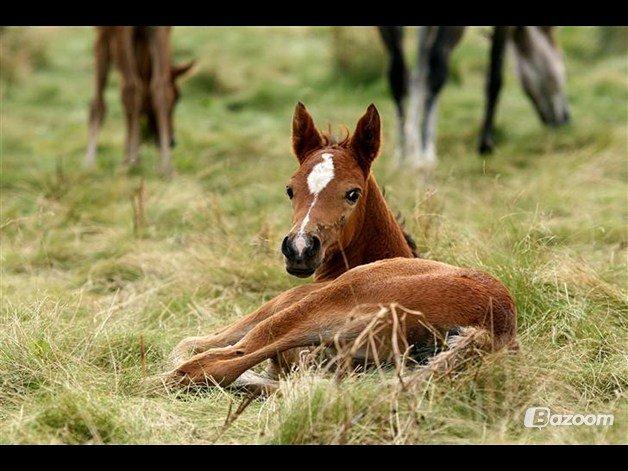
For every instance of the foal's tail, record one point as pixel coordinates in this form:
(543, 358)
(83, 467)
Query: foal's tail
(469, 343)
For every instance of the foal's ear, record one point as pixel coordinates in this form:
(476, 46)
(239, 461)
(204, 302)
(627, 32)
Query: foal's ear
(305, 136)
(366, 138)
(182, 69)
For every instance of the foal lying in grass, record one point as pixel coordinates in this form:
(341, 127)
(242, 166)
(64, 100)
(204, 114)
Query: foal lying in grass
(345, 235)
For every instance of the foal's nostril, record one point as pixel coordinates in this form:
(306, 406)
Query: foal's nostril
(313, 248)
(286, 249)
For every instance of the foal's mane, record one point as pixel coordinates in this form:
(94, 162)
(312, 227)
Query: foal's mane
(331, 140)
(334, 141)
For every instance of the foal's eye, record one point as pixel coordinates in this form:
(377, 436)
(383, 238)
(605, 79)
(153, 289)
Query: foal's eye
(289, 192)
(352, 196)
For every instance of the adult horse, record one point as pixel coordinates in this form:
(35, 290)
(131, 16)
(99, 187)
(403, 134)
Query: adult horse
(540, 68)
(345, 235)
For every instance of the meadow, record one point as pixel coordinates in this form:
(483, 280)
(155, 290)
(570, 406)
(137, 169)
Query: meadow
(96, 293)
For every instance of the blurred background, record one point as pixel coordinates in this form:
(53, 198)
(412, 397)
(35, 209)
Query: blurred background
(104, 271)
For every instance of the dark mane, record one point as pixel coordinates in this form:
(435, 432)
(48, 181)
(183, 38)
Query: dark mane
(409, 240)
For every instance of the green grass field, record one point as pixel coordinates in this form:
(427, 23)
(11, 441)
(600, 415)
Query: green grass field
(91, 305)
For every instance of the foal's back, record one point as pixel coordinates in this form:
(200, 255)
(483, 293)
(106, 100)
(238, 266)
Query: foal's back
(446, 295)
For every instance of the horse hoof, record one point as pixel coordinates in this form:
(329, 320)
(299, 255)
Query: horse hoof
(169, 381)
(486, 146)
(89, 163)
(486, 149)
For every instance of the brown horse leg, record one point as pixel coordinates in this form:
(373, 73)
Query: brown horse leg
(161, 94)
(232, 334)
(98, 107)
(131, 93)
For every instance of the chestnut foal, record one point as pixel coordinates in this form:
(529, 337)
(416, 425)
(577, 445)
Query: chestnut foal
(346, 236)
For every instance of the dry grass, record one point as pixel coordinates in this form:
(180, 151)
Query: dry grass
(104, 272)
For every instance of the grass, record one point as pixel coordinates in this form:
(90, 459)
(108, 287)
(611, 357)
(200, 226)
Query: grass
(92, 304)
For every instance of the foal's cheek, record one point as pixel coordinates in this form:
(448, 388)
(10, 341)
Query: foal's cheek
(345, 229)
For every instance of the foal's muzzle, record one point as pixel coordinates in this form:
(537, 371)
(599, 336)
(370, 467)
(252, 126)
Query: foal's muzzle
(302, 253)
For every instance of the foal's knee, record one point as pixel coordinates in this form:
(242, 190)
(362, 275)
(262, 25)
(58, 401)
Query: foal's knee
(131, 94)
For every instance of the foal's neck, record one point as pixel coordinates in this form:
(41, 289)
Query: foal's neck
(378, 236)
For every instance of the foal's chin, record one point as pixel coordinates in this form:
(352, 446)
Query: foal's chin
(300, 272)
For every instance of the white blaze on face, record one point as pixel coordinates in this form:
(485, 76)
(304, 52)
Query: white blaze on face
(321, 174)
(317, 180)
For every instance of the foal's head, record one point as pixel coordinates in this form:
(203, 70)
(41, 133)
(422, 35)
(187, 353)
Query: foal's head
(328, 189)
(541, 70)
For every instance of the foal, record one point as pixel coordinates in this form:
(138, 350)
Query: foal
(540, 68)
(148, 87)
(346, 236)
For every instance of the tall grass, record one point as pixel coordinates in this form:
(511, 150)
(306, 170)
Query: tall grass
(104, 272)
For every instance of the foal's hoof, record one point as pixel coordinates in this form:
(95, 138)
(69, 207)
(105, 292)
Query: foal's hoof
(181, 352)
(178, 379)
(173, 379)
(185, 349)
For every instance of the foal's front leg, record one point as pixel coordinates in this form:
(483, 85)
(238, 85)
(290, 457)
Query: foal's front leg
(312, 321)
(232, 334)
